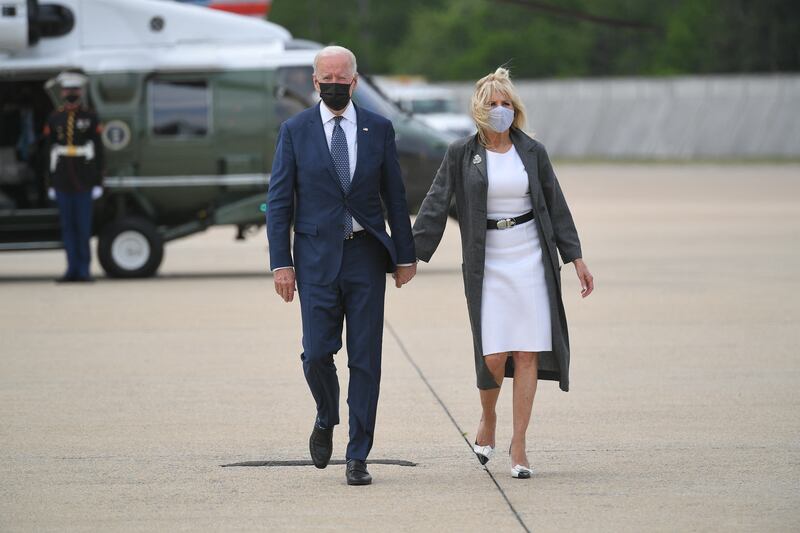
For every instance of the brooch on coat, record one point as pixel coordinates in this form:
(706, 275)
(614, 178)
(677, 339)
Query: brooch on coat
(477, 159)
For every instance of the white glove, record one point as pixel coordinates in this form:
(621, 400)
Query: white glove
(51, 193)
(97, 192)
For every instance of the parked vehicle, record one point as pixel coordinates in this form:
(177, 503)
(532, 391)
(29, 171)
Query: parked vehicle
(435, 106)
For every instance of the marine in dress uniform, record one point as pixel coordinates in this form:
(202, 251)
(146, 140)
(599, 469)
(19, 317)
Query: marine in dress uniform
(75, 170)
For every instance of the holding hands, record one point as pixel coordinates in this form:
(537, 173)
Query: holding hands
(285, 282)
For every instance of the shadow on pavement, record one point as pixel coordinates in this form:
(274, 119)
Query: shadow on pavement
(395, 462)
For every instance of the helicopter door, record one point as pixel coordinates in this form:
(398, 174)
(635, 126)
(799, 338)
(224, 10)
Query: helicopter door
(179, 134)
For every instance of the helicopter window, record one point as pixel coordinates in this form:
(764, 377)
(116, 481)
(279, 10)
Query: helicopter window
(179, 108)
(294, 91)
(296, 83)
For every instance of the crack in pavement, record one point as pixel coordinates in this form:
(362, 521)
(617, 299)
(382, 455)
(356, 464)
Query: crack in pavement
(452, 419)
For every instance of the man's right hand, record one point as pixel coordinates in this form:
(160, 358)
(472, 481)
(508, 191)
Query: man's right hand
(285, 283)
(51, 193)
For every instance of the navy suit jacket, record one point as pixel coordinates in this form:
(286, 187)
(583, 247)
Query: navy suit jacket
(304, 192)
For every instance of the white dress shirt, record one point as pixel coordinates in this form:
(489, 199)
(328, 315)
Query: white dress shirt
(348, 125)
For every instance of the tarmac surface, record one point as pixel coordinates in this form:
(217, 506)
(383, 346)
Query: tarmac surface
(120, 400)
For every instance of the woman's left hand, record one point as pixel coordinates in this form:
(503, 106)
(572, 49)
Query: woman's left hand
(585, 277)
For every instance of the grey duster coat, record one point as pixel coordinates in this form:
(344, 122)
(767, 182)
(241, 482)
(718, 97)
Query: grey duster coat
(463, 174)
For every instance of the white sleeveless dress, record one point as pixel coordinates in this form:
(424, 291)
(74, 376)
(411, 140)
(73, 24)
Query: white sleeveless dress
(515, 308)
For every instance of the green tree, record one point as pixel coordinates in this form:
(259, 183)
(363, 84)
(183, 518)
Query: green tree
(714, 36)
(465, 39)
(371, 28)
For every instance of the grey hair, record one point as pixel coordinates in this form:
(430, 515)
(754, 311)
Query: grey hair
(336, 50)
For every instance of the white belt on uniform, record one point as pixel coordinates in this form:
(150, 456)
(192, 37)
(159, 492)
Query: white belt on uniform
(59, 150)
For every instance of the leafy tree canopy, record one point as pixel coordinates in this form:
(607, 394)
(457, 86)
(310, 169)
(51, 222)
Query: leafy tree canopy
(465, 39)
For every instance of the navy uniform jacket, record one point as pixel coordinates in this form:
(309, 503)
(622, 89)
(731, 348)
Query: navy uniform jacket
(304, 192)
(75, 149)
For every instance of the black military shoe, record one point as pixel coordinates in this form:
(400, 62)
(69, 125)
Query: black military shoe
(357, 473)
(320, 444)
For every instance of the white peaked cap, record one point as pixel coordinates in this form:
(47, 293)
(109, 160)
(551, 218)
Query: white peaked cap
(71, 80)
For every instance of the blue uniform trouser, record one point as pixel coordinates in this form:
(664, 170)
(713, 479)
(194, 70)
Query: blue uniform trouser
(75, 210)
(357, 295)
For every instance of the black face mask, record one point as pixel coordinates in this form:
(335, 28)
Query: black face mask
(72, 98)
(335, 95)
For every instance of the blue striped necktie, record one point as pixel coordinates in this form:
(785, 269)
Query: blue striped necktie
(341, 161)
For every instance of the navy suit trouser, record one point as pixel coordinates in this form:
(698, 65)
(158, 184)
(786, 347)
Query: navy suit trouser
(75, 213)
(357, 297)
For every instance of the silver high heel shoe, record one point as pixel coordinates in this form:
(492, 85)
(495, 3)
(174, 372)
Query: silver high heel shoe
(519, 471)
(484, 453)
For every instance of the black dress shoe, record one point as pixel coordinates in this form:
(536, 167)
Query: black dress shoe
(87, 279)
(320, 444)
(66, 279)
(357, 473)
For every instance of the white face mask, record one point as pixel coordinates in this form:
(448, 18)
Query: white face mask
(500, 118)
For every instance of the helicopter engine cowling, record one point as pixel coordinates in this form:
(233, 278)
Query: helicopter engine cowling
(15, 31)
(24, 22)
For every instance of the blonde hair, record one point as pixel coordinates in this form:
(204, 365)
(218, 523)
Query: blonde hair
(498, 81)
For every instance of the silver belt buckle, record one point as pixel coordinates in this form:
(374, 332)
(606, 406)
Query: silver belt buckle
(506, 223)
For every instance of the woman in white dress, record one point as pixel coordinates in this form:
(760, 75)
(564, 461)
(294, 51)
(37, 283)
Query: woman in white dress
(512, 217)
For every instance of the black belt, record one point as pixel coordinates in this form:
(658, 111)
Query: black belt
(505, 223)
(356, 235)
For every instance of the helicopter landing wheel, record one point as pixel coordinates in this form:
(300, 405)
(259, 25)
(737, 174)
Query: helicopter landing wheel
(130, 248)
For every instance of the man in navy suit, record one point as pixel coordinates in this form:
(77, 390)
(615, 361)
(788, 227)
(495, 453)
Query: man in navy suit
(335, 165)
